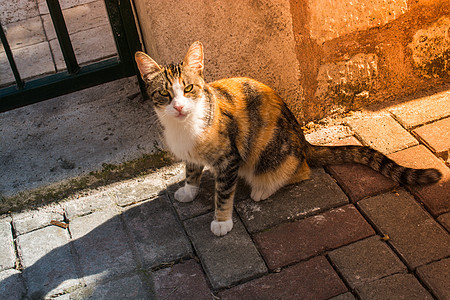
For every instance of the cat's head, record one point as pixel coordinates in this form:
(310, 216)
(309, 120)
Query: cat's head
(177, 89)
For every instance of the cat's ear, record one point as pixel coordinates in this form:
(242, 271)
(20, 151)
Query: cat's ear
(146, 65)
(194, 57)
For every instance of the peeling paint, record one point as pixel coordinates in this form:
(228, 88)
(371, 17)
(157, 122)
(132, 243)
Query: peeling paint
(431, 49)
(348, 82)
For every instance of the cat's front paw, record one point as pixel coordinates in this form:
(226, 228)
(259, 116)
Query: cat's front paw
(186, 193)
(258, 195)
(221, 228)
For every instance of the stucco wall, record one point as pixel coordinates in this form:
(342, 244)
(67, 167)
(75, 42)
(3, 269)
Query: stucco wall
(240, 38)
(319, 55)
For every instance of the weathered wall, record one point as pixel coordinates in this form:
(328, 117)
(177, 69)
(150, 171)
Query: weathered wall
(354, 53)
(320, 55)
(240, 38)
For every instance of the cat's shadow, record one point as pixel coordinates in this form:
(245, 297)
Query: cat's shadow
(42, 282)
(45, 277)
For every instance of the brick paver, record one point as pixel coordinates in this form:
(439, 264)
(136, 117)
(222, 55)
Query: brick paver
(228, 259)
(445, 220)
(157, 234)
(437, 277)
(414, 234)
(398, 286)
(359, 181)
(292, 202)
(296, 241)
(48, 261)
(102, 246)
(345, 296)
(424, 110)
(382, 133)
(366, 261)
(434, 197)
(182, 281)
(134, 241)
(7, 257)
(436, 136)
(313, 279)
(203, 203)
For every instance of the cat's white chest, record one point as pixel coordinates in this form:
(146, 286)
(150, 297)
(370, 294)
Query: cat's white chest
(181, 138)
(181, 143)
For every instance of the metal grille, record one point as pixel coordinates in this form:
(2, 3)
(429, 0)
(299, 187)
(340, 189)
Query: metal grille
(75, 77)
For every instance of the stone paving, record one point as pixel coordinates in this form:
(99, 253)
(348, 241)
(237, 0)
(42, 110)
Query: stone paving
(347, 233)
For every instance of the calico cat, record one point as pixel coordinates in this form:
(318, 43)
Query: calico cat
(239, 127)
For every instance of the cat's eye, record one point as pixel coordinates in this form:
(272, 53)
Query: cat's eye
(164, 93)
(188, 88)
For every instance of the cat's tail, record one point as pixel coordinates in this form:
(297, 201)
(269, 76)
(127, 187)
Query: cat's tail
(333, 155)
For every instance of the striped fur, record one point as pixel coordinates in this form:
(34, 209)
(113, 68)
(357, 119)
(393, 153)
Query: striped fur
(239, 127)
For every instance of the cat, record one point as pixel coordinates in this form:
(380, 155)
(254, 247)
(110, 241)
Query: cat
(239, 127)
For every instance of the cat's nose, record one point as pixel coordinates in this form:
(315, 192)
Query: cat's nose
(178, 107)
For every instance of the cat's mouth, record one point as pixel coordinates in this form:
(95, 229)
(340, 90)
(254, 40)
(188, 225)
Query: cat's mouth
(180, 116)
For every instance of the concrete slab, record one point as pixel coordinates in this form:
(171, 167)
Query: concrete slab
(102, 246)
(12, 285)
(6, 75)
(8, 255)
(49, 267)
(74, 134)
(24, 33)
(79, 18)
(414, 234)
(85, 205)
(423, 110)
(382, 133)
(156, 233)
(291, 202)
(43, 9)
(34, 60)
(399, 286)
(226, 260)
(86, 46)
(138, 190)
(30, 220)
(13, 11)
(365, 261)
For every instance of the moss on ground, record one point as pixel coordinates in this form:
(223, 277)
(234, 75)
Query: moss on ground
(107, 175)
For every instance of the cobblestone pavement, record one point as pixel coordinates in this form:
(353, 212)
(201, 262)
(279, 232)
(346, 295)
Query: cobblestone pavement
(346, 233)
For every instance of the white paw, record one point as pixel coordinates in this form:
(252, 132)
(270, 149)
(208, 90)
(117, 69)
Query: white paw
(221, 228)
(186, 193)
(258, 195)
